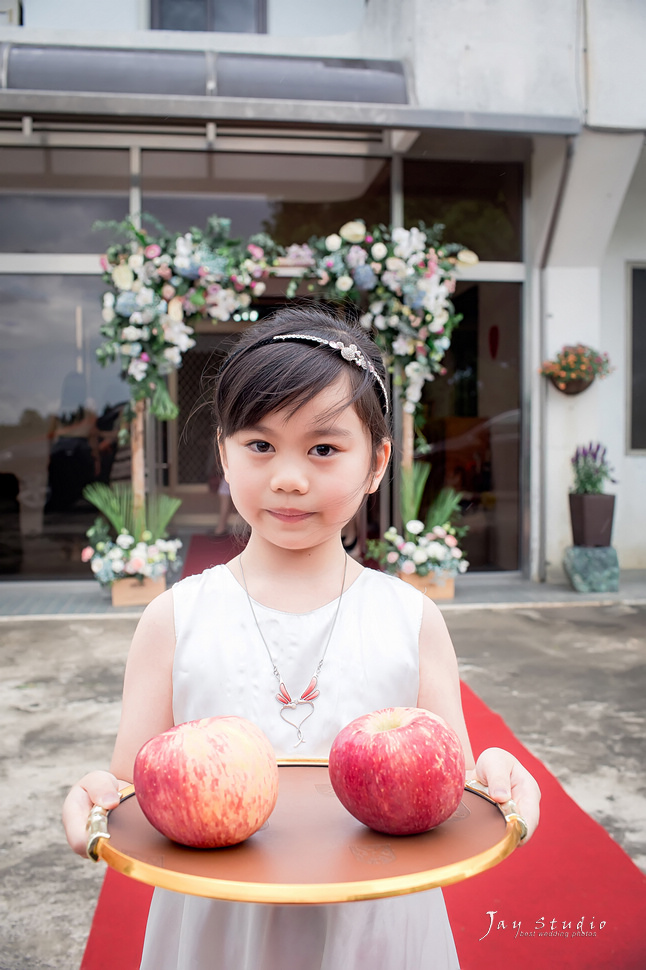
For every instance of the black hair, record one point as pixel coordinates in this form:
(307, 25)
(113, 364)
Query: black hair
(260, 375)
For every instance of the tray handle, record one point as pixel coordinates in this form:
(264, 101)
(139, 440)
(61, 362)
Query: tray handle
(509, 809)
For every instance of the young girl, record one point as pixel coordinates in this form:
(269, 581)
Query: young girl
(302, 415)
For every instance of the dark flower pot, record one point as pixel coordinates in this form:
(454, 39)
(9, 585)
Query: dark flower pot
(591, 517)
(571, 387)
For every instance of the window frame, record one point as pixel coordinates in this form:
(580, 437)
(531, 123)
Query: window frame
(630, 309)
(260, 16)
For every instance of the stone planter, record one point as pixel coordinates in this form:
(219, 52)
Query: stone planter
(432, 586)
(132, 592)
(591, 517)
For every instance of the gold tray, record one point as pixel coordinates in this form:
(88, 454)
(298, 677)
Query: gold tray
(311, 850)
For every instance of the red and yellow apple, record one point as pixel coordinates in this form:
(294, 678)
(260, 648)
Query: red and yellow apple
(400, 770)
(207, 783)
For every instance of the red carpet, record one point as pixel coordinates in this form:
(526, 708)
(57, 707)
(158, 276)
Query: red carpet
(209, 550)
(570, 873)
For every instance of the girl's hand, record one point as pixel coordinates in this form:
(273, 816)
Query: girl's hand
(506, 778)
(97, 788)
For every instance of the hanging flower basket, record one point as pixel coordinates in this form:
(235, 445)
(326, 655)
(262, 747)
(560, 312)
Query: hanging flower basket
(575, 386)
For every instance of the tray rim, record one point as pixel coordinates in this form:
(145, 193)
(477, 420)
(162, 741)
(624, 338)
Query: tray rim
(313, 893)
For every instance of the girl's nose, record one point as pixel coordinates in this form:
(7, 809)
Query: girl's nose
(289, 476)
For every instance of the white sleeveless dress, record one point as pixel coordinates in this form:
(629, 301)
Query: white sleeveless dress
(221, 667)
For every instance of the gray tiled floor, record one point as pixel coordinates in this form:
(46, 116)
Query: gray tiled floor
(475, 591)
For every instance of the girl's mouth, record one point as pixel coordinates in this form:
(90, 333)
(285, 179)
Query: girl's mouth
(289, 515)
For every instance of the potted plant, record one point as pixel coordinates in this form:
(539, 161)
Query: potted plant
(591, 511)
(129, 551)
(575, 367)
(428, 554)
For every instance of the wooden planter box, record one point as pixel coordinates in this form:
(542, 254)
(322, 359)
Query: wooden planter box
(435, 589)
(131, 592)
(591, 517)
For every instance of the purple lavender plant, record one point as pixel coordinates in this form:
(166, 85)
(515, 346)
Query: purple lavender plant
(591, 469)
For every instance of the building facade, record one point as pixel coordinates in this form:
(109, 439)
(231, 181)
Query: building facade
(518, 125)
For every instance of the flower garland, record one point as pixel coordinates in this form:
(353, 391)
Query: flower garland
(402, 279)
(157, 285)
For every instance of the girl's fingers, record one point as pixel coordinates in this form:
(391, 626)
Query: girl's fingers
(505, 778)
(97, 788)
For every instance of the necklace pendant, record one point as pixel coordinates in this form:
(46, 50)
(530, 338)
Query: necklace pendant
(296, 724)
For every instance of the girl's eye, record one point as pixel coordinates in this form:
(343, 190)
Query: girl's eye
(323, 451)
(261, 447)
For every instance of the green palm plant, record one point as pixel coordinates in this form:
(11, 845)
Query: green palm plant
(116, 504)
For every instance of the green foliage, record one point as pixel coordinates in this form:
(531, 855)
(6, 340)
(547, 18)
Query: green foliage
(117, 505)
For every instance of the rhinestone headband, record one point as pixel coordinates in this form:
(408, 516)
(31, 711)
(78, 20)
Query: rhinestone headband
(349, 352)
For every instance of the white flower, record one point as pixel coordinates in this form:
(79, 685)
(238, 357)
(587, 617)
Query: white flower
(380, 322)
(137, 369)
(123, 277)
(437, 551)
(174, 355)
(352, 232)
(419, 556)
(408, 242)
(259, 288)
(96, 565)
(108, 299)
(408, 549)
(145, 296)
(438, 321)
(344, 283)
(333, 243)
(125, 540)
(456, 553)
(397, 266)
(176, 309)
(365, 321)
(107, 314)
(118, 565)
(136, 261)
(415, 527)
(130, 333)
(467, 257)
(379, 251)
(377, 307)
(403, 346)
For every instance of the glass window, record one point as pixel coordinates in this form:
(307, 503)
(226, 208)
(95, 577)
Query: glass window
(480, 203)
(472, 422)
(59, 412)
(51, 197)
(238, 16)
(638, 361)
(292, 197)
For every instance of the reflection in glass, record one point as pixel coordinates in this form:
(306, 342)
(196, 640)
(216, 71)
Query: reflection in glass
(51, 197)
(472, 422)
(480, 203)
(59, 415)
(292, 197)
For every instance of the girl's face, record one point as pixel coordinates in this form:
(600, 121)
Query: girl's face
(297, 480)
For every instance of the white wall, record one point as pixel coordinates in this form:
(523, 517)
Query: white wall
(122, 15)
(628, 244)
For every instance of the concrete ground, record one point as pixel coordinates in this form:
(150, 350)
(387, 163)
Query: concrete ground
(568, 678)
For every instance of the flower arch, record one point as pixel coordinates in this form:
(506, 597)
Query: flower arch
(159, 284)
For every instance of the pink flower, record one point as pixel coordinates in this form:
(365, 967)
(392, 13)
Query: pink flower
(257, 252)
(168, 291)
(409, 567)
(451, 541)
(151, 251)
(87, 553)
(104, 264)
(145, 357)
(135, 565)
(165, 271)
(368, 239)
(392, 557)
(439, 531)
(203, 271)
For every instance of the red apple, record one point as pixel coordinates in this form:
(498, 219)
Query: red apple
(207, 783)
(399, 771)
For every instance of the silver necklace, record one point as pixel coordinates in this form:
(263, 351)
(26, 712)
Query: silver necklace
(311, 692)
